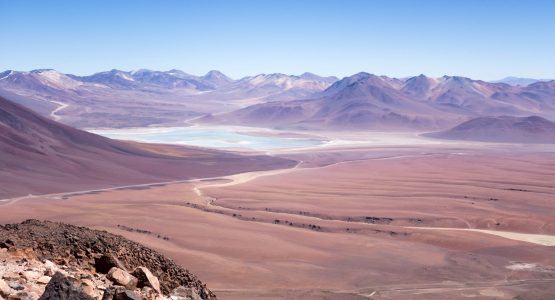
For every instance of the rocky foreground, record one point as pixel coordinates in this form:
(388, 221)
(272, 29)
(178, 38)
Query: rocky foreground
(47, 260)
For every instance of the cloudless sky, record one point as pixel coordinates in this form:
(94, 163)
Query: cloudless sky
(482, 39)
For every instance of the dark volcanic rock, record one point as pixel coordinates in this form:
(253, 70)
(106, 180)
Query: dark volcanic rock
(63, 288)
(79, 246)
(145, 278)
(104, 263)
(126, 295)
(119, 293)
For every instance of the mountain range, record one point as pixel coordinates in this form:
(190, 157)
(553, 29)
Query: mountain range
(522, 81)
(369, 102)
(107, 99)
(146, 79)
(362, 101)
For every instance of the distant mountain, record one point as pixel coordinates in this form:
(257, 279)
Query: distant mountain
(418, 86)
(314, 77)
(42, 156)
(115, 78)
(358, 102)
(147, 79)
(366, 101)
(107, 99)
(276, 86)
(217, 79)
(502, 129)
(361, 101)
(518, 81)
(40, 80)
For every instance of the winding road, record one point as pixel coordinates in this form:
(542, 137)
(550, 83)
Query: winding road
(61, 106)
(235, 179)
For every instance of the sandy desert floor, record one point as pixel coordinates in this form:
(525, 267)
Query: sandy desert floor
(408, 222)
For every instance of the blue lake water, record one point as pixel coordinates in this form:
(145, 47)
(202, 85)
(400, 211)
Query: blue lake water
(211, 137)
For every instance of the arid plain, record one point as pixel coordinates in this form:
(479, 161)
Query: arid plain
(348, 222)
(278, 150)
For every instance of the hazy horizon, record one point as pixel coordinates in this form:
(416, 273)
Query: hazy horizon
(482, 40)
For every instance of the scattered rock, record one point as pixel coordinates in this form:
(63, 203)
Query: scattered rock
(31, 275)
(16, 285)
(109, 293)
(148, 293)
(10, 276)
(44, 279)
(22, 295)
(50, 267)
(120, 277)
(89, 290)
(24, 253)
(127, 295)
(184, 293)
(61, 287)
(87, 282)
(89, 254)
(146, 278)
(119, 293)
(5, 289)
(106, 262)
(7, 243)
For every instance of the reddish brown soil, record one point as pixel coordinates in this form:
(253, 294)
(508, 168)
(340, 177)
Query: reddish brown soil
(343, 229)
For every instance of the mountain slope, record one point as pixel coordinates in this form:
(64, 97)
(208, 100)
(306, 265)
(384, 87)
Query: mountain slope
(42, 156)
(91, 254)
(502, 129)
(216, 78)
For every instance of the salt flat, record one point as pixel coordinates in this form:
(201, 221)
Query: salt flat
(222, 137)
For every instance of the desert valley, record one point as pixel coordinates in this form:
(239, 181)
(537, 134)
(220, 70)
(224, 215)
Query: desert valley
(277, 150)
(299, 187)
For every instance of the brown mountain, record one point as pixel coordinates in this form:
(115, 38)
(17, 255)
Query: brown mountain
(361, 101)
(502, 129)
(42, 156)
(366, 101)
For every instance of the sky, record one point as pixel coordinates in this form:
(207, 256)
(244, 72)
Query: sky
(481, 39)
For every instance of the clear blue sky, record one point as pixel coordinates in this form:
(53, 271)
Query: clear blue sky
(484, 39)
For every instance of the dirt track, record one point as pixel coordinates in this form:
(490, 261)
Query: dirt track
(344, 228)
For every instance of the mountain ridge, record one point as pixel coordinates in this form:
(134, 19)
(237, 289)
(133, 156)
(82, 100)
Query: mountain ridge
(104, 99)
(531, 129)
(362, 101)
(367, 101)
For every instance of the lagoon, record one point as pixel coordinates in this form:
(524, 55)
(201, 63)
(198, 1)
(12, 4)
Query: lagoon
(221, 137)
